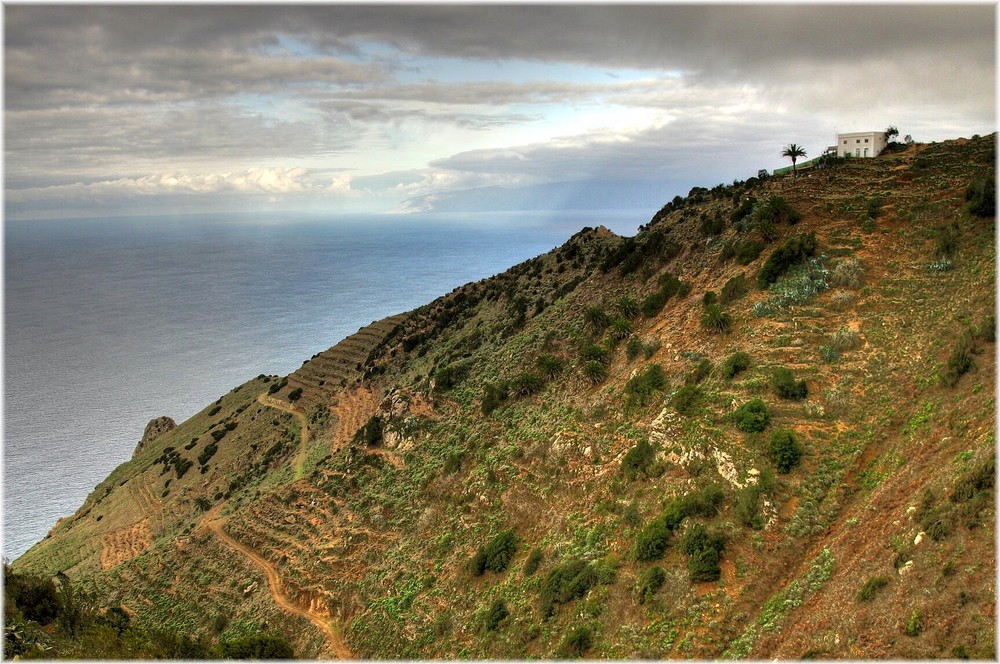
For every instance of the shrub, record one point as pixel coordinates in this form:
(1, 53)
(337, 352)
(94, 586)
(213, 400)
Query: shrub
(596, 372)
(295, 394)
(748, 251)
(745, 209)
(638, 460)
(746, 508)
(715, 319)
(733, 289)
(842, 300)
(493, 396)
(752, 416)
(650, 581)
(652, 304)
(848, 273)
(708, 298)
(577, 643)
(946, 241)
(735, 363)
(979, 479)
(871, 588)
(214, 411)
(686, 399)
(705, 551)
(527, 383)
(651, 542)
(370, 435)
(700, 372)
(846, 339)
(705, 502)
(567, 582)
(258, 646)
(596, 319)
(784, 257)
(496, 615)
(499, 552)
(595, 353)
(712, 225)
(785, 386)
(785, 450)
(640, 388)
(633, 348)
(627, 306)
(549, 365)
(533, 561)
(959, 362)
(620, 329)
(982, 195)
(914, 624)
(449, 376)
(776, 210)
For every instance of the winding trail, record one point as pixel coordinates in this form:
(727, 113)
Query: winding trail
(335, 643)
(267, 400)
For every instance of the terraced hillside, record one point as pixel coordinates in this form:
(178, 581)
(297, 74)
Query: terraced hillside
(762, 427)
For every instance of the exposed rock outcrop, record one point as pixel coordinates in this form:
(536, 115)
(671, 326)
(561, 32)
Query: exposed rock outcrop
(156, 428)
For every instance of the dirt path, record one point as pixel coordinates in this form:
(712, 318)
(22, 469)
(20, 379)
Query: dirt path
(335, 643)
(271, 402)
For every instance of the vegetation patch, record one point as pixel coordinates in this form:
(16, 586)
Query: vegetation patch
(753, 416)
(793, 252)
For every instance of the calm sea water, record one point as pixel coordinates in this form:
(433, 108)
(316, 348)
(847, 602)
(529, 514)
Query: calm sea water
(109, 323)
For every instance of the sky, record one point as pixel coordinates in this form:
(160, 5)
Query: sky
(119, 110)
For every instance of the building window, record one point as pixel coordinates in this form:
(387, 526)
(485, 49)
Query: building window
(857, 152)
(866, 140)
(857, 140)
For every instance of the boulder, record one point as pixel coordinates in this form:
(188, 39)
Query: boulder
(156, 428)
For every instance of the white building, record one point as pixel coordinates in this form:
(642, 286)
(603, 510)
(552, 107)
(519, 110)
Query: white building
(860, 144)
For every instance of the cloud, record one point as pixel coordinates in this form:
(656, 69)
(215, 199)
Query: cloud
(268, 181)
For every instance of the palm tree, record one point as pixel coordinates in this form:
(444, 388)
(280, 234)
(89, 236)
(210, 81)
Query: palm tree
(794, 152)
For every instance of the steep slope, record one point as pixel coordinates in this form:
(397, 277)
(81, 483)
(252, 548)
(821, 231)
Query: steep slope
(591, 402)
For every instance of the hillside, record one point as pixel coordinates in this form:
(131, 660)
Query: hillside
(763, 427)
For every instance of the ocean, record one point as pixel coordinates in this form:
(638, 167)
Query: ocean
(111, 322)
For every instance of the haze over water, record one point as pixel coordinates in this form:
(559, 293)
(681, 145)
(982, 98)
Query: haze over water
(109, 323)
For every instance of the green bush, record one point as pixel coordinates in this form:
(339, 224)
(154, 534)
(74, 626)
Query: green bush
(620, 329)
(652, 304)
(565, 583)
(712, 225)
(650, 581)
(651, 542)
(748, 251)
(960, 361)
(549, 365)
(496, 556)
(706, 502)
(639, 389)
(597, 319)
(793, 252)
(370, 435)
(981, 195)
(295, 394)
(710, 297)
(785, 386)
(914, 624)
(979, 479)
(527, 383)
(627, 306)
(258, 646)
(871, 588)
(715, 319)
(946, 241)
(785, 450)
(686, 399)
(633, 348)
(595, 353)
(775, 210)
(449, 376)
(493, 396)
(752, 416)
(577, 643)
(596, 372)
(638, 460)
(533, 561)
(735, 363)
(734, 289)
(701, 371)
(704, 549)
(496, 615)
